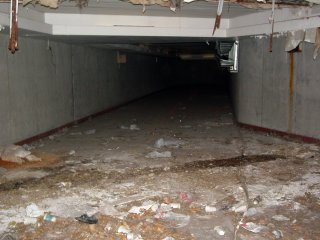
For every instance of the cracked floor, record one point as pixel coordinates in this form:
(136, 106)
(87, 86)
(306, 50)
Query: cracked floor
(178, 157)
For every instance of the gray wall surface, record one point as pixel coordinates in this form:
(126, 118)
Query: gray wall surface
(46, 86)
(261, 89)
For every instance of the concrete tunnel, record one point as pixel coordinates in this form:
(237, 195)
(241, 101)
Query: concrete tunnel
(159, 119)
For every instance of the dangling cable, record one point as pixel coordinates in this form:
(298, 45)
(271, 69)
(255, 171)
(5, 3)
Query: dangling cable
(271, 20)
(218, 17)
(13, 41)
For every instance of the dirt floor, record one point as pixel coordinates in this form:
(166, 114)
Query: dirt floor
(171, 166)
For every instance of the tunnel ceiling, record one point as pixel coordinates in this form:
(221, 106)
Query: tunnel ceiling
(179, 3)
(157, 24)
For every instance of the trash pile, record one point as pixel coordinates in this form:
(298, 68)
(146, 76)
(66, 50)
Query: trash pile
(17, 154)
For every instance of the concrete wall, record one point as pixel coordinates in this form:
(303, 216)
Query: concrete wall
(45, 86)
(261, 90)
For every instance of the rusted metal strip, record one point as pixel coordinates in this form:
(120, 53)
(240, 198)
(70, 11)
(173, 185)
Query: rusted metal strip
(13, 41)
(216, 24)
(291, 92)
(218, 17)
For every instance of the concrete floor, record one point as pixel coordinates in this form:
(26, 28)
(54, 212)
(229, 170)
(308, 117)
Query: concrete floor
(219, 181)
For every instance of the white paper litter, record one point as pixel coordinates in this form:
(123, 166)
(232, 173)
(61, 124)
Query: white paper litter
(91, 131)
(33, 211)
(167, 143)
(156, 154)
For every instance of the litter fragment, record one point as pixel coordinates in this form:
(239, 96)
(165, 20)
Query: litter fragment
(210, 209)
(185, 197)
(177, 219)
(167, 143)
(257, 200)
(145, 207)
(32, 158)
(49, 218)
(124, 229)
(51, 137)
(250, 212)
(252, 227)
(132, 236)
(28, 147)
(108, 227)
(280, 218)
(240, 209)
(75, 133)
(156, 154)
(72, 152)
(87, 219)
(134, 127)
(33, 211)
(89, 132)
(168, 238)
(219, 230)
(278, 234)
(175, 205)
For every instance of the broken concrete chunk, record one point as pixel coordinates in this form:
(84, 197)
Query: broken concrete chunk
(14, 153)
(156, 154)
(294, 38)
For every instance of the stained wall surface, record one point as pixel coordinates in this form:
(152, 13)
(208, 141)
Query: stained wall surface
(45, 84)
(277, 90)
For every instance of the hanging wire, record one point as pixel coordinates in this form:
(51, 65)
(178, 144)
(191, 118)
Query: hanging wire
(271, 20)
(218, 17)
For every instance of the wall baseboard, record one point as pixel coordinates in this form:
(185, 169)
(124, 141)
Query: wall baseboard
(282, 134)
(81, 120)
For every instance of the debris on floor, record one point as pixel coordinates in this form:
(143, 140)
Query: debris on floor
(132, 127)
(89, 132)
(87, 219)
(156, 154)
(17, 154)
(252, 227)
(209, 181)
(168, 143)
